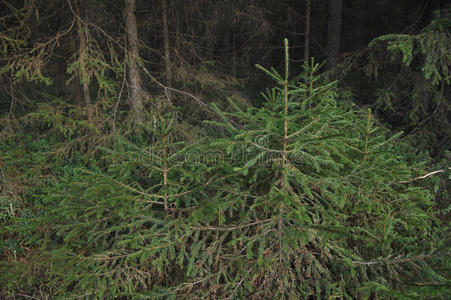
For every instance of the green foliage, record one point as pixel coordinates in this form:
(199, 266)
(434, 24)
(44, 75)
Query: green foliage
(433, 43)
(27, 166)
(93, 63)
(300, 197)
(414, 71)
(19, 61)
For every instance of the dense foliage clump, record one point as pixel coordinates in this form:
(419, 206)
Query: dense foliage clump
(304, 195)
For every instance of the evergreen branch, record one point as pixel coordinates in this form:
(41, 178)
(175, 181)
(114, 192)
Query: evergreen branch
(304, 128)
(387, 141)
(239, 193)
(25, 296)
(135, 253)
(130, 188)
(265, 148)
(192, 284)
(273, 74)
(397, 259)
(211, 228)
(429, 283)
(324, 137)
(235, 289)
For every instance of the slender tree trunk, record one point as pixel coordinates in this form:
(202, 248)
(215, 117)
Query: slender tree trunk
(75, 84)
(82, 43)
(167, 53)
(307, 31)
(234, 53)
(335, 8)
(134, 77)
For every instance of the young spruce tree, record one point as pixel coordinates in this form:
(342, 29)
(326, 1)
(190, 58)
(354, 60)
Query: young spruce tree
(302, 197)
(323, 212)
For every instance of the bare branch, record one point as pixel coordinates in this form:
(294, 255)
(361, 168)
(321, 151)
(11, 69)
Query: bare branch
(424, 176)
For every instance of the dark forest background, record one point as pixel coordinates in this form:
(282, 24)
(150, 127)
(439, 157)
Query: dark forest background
(225, 149)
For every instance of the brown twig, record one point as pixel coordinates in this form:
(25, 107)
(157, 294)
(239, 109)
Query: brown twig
(424, 176)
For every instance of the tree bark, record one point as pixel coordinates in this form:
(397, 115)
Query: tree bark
(335, 8)
(84, 78)
(307, 32)
(134, 76)
(167, 53)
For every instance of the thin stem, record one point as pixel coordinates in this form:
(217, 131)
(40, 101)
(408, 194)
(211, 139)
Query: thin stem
(310, 86)
(367, 133)
(284, 148)
(285, 107)
(165, 176)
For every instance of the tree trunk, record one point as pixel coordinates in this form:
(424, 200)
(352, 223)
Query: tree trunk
(335, 8)
(307, 32)
(167, 53)
(134, 77)
(84, 78)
